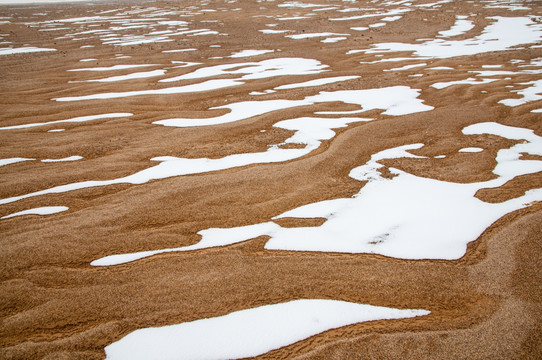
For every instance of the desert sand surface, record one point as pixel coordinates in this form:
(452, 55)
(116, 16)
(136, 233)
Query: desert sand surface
(277, 179)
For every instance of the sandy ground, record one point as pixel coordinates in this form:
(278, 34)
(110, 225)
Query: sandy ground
(54, 305)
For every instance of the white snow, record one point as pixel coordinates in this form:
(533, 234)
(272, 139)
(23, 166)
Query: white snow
(316, 82)
(213, 238)
(112, 68)
(208, 32)
(491, 66)
(503, 34)
(21, 50)
(179, 50)
(509, 5)
(14, 160)
(238, 111)
(298, 4)
(406, 67)
(391, 18)
(184, 64)
(393, 59)
(208, 85)
(271, 31)
(248, 53)
(257, 70)
(72, 120)
(136, 75)
(248, 332)
(493, 72)
(339, 112)
(459, 28)
(69, 158)
(308, 131)
(393, 12)
(434, 5)
(293, 18)
(20, 2)
(313, 35)
(332, 40)
(256, 93)
(469, 81)
(326, 9)
(407, 216)
(395, 100)
(46, 210)
(531, 93)
(471, 150)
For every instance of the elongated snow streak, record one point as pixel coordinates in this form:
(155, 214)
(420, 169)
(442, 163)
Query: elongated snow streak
(313, 35)
(46, 210)
(69, 158)
(208, 85)
(112, 68)
(407, 217)
(406, 67)
(22, 50)
(19, 2)
(471, 150)
(137, 75)
(248, 53)
(249, 332)
(72, 120)
(316, 82)
(469, 81)
(14, 160)
(271, 31)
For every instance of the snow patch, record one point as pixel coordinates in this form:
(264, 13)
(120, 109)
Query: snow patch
(46, 210)
(249, 332)
(407, 216)
(22, 50)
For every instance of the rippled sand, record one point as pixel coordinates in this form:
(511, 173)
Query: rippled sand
(214, 164)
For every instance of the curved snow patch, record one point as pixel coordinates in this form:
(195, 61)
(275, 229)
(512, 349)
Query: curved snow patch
(46, 210)
(249, 332)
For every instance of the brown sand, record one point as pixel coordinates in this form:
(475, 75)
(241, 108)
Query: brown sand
(54, 305)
